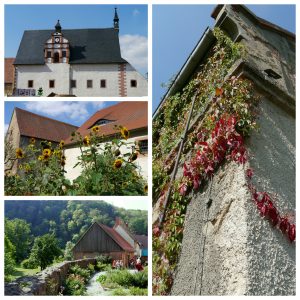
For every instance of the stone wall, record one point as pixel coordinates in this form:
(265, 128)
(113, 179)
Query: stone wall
(47, 282)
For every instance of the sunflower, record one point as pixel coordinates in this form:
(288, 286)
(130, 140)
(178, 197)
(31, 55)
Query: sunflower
(41, 157)
(118, 163)
(124, 132)
(46, 153)
(32, 141)
(19, 153)
(86, 140)
(96, 128)
(61, 144)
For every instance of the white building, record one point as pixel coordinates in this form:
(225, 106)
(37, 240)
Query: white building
(78, 62)
(131, 114)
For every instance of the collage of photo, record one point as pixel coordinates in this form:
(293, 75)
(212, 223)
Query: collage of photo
(213, 89)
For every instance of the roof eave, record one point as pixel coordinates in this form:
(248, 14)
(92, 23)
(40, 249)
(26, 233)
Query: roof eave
(204, 44)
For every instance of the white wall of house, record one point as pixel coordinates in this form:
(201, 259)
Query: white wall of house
(142, 84)
(41, 74)
(63, 73)
(73, 153)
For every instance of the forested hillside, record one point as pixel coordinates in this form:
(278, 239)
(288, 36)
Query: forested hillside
(69, 219)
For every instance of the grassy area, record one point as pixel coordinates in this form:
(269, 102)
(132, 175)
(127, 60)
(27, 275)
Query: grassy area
(19, 272)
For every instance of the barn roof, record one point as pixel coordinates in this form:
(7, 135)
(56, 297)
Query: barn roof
(131, 114)
(87, 46)
(117, 238)
(33, 125)
(113, 234)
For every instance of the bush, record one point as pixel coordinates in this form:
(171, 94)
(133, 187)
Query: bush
(29, 264)
(91, 267)
(104, 259)
(136, 291)
(120, 292)
(125, 279)
(74, 285)
(84, 273)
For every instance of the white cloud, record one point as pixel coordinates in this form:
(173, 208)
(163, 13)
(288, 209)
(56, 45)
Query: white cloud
(73, 110)
(134, 49)
(135, 12)
(98, 104)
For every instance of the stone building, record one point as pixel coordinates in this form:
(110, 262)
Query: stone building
(25, 125)
(227, 247)
(78, 62)
(130, 114)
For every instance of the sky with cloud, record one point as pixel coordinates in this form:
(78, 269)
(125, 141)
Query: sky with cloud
(133, 25)
(73, 112)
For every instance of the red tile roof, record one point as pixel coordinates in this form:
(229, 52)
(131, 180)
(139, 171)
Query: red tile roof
(130, 114)
(9, 70)
(33, 125)
(117, 238)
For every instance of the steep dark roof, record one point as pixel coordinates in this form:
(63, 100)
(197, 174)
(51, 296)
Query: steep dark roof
(131, 114)
(142, 240)
(33, 125)
(87, 46)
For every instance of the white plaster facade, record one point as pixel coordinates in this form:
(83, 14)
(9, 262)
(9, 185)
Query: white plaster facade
(63, 73)
(72, 154)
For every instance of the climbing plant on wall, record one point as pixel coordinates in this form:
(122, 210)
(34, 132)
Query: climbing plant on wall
(224, 114)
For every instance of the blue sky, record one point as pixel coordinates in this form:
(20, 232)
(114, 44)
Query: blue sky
(73, 112)
(176, 29)
(133, 25)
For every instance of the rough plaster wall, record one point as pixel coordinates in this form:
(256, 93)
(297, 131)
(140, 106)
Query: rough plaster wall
(213, 257)
(267, 50)
(271, 256)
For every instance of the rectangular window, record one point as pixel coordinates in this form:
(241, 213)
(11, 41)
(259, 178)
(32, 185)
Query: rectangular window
(48, 54)
(133, 83)
(30, 83)
(64, 54)
(73, 83)
(89, 83)
(103, 83)
(143, 145)
(51, 84)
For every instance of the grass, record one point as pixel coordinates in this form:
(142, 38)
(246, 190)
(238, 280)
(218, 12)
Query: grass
(19, 272)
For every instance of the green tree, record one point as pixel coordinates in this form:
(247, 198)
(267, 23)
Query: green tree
(18, 232)
(45, 249)
(9, 254)
(68, 254)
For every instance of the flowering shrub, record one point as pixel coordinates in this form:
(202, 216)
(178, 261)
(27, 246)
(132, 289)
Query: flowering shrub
(105, 170)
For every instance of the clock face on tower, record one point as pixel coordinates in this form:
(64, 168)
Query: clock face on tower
(56, 40)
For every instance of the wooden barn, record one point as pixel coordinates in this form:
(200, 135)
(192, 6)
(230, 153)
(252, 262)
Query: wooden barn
(100, 239)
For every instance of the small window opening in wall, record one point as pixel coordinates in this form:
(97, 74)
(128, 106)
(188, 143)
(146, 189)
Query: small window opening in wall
(272, 74)
(48, 54)
(143, 145)
(133, 83)
(30, 84)
(64, 54)
(73, 83)
(89, 83)
(51, 84)
(103, 83)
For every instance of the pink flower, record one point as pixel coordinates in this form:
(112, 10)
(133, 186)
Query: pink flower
(156, 231)
(292, 232)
